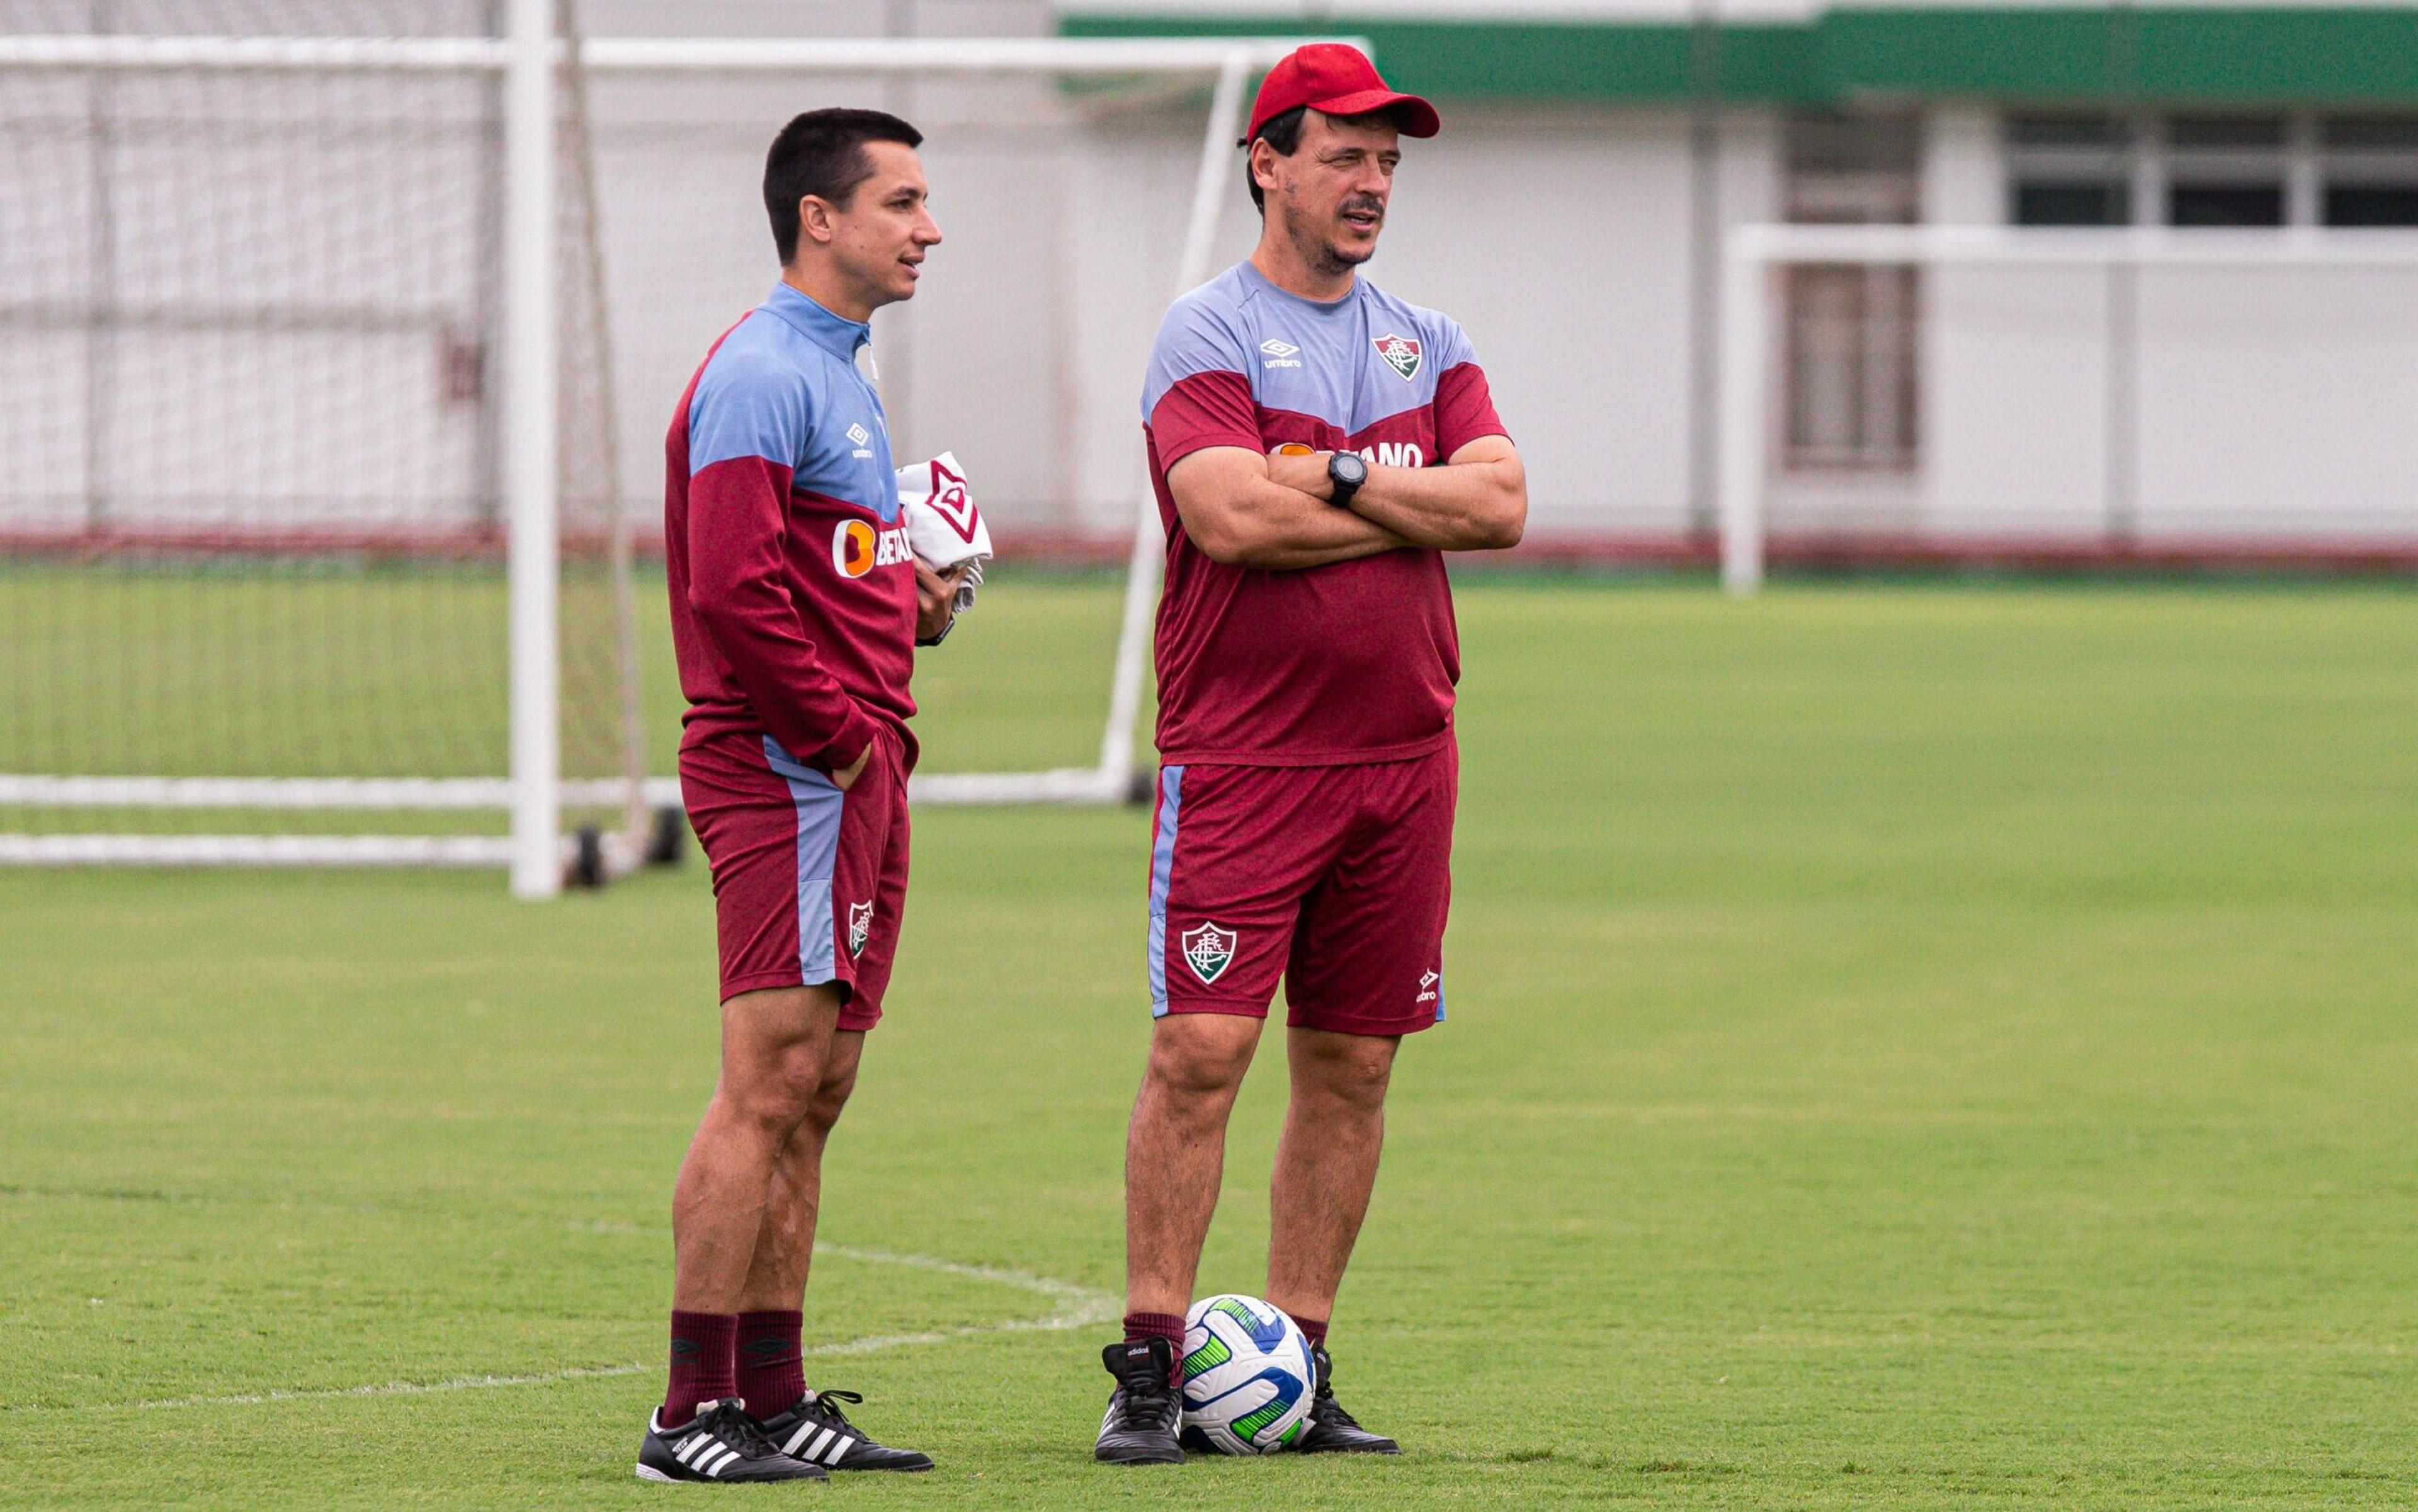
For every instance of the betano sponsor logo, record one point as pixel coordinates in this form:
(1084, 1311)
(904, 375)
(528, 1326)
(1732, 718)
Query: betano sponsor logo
(857, 548)
(1383, 454)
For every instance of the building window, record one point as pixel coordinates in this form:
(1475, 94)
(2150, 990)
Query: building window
(2369, 164)
(2225, 171)
(1851, 367)
(2225, 205)
(2372, 205)
(2068, 170)
(2068, 202)
(2261, 136)
(1852, 331)
(2078, 169)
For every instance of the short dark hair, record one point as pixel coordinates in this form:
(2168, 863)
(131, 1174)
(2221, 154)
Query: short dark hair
(822, 153)
(1282, 132)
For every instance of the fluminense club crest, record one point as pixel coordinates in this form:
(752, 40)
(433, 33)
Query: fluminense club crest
(859, 925)
(1402, 353)
(1208, 951)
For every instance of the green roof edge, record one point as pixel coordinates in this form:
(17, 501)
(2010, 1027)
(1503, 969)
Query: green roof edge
(2198, 55)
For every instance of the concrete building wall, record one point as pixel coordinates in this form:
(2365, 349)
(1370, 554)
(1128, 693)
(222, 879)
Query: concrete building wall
(2267, 402)
(2263, 403)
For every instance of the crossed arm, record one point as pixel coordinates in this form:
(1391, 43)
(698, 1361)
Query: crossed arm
(1247, 509)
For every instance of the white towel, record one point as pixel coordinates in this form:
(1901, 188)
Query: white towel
(942, 524)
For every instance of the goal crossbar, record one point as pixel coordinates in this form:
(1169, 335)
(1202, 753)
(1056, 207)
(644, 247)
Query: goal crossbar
(528, 58)
(1071, 55)
(1748, 300)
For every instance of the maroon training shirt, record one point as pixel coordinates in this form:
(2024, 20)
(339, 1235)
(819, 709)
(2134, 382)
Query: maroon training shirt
(1351, 661)
(792, 586)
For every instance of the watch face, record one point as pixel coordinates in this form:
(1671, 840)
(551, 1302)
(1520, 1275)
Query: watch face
(1348, 467)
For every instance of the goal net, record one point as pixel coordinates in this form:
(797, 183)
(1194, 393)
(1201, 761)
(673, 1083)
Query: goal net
(1980, 393)
(264, 532)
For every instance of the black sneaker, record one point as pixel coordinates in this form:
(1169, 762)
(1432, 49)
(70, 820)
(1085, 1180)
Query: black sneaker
(817, 1432)
(1332, 1429)
(720, 1443)
(1145, 1411)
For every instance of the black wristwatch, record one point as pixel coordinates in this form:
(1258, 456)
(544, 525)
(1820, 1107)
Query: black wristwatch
(1347, 472)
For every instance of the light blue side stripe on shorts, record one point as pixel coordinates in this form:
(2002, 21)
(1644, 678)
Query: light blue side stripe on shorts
(818, 801)
(1162, 867)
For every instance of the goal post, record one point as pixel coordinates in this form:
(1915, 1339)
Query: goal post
(565, 654)
(2110, 412)
(530, 420)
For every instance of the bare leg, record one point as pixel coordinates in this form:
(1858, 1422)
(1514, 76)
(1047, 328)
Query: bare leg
(1175, 1152)
(785, 1244)
(775, 1044)
(1326, 1163)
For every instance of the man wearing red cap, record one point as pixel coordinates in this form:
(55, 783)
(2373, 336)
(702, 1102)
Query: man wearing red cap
(1316, 444)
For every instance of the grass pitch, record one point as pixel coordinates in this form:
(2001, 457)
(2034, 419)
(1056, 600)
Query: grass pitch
(1911, 1047)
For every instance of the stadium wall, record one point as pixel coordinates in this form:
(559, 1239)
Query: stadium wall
(1064, 209)
(1553, 221)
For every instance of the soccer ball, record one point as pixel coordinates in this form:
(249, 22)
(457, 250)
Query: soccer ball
(1247, 1377)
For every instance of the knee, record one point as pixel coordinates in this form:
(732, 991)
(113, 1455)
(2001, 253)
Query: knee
(778, 1093)
(830, 1096)
(1195, 1072)
(1354, 1077)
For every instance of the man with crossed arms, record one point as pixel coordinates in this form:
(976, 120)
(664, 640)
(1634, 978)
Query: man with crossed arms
(1316, 444)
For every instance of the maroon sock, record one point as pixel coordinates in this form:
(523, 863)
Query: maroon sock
(704, 1363)
(1166, 1326)
(1314, 1329)
(772, 1362)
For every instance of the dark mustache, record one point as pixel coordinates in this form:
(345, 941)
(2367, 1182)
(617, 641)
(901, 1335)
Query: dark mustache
(1362, 203)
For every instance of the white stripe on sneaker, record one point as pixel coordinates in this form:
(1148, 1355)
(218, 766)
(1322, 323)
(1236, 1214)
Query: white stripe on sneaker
(790, 1448)
(697, 1448)
(838, 1449)
(815, 1450)
(716, 1463)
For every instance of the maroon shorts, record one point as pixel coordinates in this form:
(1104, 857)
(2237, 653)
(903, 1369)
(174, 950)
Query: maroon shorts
(809, 882)
(1336, 879)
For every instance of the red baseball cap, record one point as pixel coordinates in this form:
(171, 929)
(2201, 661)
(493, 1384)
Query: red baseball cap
(1335, 78)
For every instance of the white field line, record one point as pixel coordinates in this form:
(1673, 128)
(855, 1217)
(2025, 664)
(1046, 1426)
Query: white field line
(1077, 1307)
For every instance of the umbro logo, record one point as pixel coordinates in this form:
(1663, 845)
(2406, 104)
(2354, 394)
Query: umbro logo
(1427, 986)
(858, 435)
(1279, 353)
